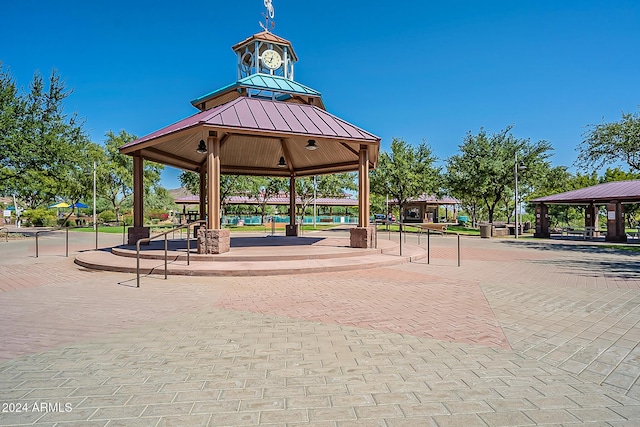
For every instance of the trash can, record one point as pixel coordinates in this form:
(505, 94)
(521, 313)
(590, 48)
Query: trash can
(485, 230)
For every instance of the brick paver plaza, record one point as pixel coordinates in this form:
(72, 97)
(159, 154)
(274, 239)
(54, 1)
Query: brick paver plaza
(528, 332)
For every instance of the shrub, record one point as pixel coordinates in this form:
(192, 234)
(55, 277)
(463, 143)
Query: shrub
(41, 217)
(107, 216)
(128, 219)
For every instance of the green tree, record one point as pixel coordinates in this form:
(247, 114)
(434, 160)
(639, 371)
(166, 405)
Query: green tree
(406, 172)
(610, 143)
(41, 145)
(229, 185)
(485, 168)
(264, 189)
(115, 171)
(632, 212)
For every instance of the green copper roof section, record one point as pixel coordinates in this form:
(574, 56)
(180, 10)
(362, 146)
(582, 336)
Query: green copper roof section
(263, 82)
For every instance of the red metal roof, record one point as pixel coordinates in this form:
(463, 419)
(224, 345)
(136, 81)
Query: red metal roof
(268, 116)
(622, 191)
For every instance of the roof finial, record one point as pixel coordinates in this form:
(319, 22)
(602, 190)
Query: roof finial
(268, 17)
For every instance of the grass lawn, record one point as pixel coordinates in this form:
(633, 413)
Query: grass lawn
(465, 231)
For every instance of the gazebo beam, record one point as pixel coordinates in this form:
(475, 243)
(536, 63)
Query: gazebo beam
(168, 159)
(287, 155)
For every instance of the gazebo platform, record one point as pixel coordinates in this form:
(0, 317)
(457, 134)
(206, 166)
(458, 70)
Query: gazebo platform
(252, 256)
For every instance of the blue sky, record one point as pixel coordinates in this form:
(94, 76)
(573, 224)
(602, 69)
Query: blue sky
(408, 69)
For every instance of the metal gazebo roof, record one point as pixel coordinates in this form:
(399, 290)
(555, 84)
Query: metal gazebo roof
(621, 191)
(254, 133)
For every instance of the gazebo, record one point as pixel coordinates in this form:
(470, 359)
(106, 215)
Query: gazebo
(613, 195)
(264, 124)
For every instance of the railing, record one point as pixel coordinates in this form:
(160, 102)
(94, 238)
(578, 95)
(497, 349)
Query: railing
(6, 233)
(66, 245)
(165, 234)
(403, 237)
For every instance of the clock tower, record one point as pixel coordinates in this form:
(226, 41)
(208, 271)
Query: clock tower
(265, 53)
(265, 69)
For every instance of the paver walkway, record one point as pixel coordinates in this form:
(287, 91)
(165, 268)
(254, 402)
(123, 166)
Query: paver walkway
(522, 333)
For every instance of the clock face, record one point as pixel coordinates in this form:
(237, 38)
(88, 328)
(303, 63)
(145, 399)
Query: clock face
(271, 59)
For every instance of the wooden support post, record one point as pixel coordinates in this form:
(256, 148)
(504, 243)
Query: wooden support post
(213, 190)
(292, 228)
(138, 231)
(138, 190)
(203, 194)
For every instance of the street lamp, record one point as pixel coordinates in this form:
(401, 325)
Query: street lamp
(517, 168)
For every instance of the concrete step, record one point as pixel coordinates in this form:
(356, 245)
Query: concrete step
(103, 260)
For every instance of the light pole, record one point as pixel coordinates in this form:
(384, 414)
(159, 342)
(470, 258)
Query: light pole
(516, 168)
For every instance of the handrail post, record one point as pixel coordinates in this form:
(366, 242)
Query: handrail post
(66, 245)
(138, 263)
(165, 257)
(188, 244)
(428, 246)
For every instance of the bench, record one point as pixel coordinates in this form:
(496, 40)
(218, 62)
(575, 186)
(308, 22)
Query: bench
(441, 228)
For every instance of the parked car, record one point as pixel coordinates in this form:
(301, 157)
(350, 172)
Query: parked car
(382, 218)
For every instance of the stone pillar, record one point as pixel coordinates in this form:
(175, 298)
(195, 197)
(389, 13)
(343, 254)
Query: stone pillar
(542, 221)
(363, 237)
(213, 241)
(292, 229)
(615, 222)
(138, 231)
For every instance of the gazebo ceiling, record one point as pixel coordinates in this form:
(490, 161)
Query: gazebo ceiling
(254, 133)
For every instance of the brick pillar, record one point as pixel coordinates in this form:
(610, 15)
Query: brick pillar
(615, 222)
(542, 221)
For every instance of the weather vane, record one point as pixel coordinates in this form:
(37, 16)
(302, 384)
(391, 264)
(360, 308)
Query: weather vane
(268, 17)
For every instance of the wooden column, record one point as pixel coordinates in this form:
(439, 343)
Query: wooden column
(138, 231)
(212, 239)
(292, 201)
(292, 228)
(363, 187)
(202, 195)
(138, 190)
(213, 176)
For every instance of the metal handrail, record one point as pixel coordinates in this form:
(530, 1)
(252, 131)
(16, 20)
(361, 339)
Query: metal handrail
(6, 232)
(66, 237)
(149, 239)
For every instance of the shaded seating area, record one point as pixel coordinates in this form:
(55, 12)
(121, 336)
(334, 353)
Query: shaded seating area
(612, 195)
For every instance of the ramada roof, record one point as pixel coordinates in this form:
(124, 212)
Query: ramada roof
(621, 191)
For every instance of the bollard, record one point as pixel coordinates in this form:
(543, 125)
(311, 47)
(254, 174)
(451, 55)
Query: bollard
(165, 257)
(66, 243)
(124, 229)
(400, 225)
(96, 236)
(36, 244)
(458, 250)
(428, 246)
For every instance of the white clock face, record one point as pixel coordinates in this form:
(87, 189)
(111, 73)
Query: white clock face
(271, 59)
